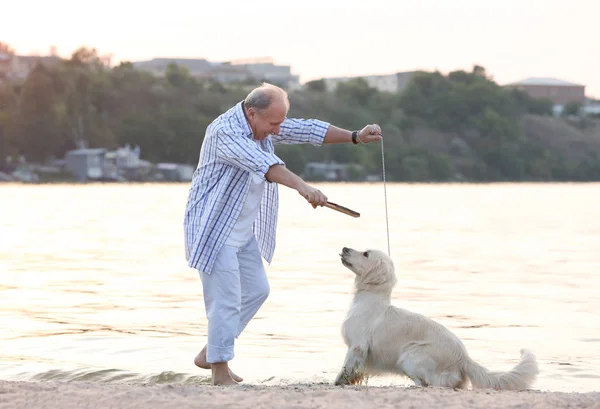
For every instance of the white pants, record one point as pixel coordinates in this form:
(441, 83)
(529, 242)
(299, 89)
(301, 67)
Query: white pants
(233, 293)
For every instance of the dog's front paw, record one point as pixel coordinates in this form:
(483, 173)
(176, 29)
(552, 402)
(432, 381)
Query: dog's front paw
(352, 377)
(342, 378)
(339, 381)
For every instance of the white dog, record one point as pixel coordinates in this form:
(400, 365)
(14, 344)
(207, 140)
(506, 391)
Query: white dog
(384, 339)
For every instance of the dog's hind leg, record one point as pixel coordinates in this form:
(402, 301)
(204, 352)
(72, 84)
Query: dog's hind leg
(417, 365)
(354, 369)
(450, 379)
(415, 373)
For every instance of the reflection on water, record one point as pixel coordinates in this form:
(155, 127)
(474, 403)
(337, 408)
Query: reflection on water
(94, 285)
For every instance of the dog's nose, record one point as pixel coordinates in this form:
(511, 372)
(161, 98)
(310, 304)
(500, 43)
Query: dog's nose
(345, 250)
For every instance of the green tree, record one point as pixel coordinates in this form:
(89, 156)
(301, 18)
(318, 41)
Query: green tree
(356, 90)
(37, 127)
(316, 85)
(6, 57)
(572, 109)
(8, 111)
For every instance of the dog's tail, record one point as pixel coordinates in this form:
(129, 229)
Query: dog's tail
(519, 378)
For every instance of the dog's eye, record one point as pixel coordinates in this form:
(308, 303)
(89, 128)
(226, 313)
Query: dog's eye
(366, 254)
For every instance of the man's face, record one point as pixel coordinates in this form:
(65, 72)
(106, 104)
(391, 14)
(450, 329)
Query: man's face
(269, 121)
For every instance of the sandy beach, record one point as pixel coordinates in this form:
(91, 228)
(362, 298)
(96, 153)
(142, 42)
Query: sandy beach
(49, 395)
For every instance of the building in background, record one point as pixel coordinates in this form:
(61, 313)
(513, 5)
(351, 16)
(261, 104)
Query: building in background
(265, 69)
(395, 83)
(86, 164)
(592, 107)
(558, 91)
(250, 70)
(121, 165)
(158, 66)
(17, 67)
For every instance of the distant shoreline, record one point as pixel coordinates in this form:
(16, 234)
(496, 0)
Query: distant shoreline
(357, 182)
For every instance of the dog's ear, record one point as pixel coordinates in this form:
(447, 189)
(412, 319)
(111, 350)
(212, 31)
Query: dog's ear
(375, 275)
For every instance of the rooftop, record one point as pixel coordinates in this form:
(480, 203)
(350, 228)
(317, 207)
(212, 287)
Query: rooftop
(545, 81)
(86, 151)
(161, 63)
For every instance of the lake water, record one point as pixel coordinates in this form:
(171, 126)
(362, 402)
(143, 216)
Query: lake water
(94, 284)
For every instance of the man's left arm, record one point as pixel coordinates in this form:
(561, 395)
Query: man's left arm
(316, 132)
(297, 131)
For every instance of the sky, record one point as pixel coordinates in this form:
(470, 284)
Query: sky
(512, 39)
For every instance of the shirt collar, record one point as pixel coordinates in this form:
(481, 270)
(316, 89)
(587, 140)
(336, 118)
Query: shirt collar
(241, 117)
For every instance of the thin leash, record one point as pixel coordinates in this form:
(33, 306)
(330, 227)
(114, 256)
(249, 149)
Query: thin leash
(387, 224)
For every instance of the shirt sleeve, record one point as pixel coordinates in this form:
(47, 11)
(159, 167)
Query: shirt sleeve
(240, 151)
(297, 131)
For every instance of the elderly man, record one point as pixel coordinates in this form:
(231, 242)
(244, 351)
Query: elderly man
(231, 214)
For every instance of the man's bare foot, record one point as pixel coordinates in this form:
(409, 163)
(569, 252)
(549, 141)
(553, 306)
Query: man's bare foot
(221, 375)
(200, 362)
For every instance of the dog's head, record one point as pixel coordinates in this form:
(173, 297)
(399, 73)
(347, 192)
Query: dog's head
(374, 270)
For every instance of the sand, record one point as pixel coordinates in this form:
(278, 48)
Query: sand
(79, 395)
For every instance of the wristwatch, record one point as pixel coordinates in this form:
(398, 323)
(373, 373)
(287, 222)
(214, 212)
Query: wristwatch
(354, 137)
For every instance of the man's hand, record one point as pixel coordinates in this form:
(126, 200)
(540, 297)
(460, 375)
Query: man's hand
(314, 196)
(370, 133)
(280, 174)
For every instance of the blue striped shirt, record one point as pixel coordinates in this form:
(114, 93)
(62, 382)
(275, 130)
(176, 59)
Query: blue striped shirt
(220, 184)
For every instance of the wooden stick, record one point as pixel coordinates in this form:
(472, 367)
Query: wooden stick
(342, 209)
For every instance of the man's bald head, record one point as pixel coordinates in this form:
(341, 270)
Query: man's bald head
(262, 97)
(266, 108)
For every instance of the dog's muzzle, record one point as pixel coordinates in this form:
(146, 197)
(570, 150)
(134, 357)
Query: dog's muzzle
(345, 252)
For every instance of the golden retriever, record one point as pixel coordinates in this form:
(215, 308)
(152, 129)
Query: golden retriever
(382, 338)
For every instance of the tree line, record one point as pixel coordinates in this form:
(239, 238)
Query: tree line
(460, 126)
